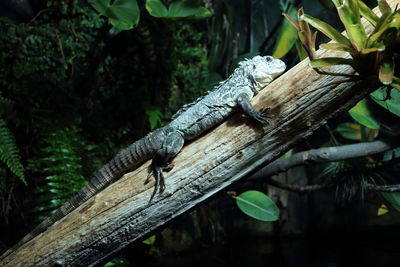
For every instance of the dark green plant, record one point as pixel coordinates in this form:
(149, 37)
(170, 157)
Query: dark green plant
(9, 153)
(125, 14)
(61, 165)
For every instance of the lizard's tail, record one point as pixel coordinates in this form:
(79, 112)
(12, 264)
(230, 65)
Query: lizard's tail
(128, 158)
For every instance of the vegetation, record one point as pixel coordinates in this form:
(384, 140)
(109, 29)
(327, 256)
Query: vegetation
(80, 80)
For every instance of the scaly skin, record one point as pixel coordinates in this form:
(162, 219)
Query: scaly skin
(189, 122)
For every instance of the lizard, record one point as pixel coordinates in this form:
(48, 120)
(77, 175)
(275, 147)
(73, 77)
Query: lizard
(164, 143)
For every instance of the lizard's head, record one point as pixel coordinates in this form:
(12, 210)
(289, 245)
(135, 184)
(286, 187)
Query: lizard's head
(263, 69)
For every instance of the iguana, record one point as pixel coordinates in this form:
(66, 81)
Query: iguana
(163, 144)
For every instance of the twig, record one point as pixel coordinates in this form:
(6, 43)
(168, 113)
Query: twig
(383, 188)
(298, 188)
(326, 154)
(41, 12)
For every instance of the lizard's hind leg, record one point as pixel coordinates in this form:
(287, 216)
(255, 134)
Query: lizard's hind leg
(172, 145)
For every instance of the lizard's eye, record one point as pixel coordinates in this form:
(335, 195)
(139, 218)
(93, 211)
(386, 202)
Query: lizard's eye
(254, 67)
(268, 59)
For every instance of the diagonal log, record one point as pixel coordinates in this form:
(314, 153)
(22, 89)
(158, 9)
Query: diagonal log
(121, 214)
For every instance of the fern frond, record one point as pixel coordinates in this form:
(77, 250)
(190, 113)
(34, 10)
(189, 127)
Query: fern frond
(62, 167)
(9, 153)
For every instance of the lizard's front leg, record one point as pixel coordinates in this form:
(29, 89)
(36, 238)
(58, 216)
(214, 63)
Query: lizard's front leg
(172, 145)
(243, 101)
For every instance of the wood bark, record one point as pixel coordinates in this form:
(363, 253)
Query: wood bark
(121, 214)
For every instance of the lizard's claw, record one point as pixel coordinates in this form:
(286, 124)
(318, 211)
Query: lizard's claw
(262, 116)
(157, 172)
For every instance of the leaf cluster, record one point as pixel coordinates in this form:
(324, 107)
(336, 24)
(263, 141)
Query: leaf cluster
(372, 55)
(125, 14)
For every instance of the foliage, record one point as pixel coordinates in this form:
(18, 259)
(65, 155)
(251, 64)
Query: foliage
(351, 177)
(61, 165)
(287, 35)
(177, 10)
(373, 55)
(257, 205)
(188, 78)
(9, 153)
(362, 115)
(124, 14)
(387, 98)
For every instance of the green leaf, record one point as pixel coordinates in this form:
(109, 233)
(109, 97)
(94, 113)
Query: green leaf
(396, 83)
(330, 61)
(258, 205)
(120, 25)
(9, 152)
(378, 48)
(156, 8)
(154, 115)
(393, 198)
(362, 115)
(184, 9)
(337, 47)
(122, 14)
(384, 7)
(177, 10)
(327, 29)
(391, 103)
(367, 13)
(301, 52)
(384, 26)
(150, 241)
(350, 130)
(287, 35)
(349, 14)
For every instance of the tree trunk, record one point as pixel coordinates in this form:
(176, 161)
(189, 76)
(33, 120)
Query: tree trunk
(121, 214)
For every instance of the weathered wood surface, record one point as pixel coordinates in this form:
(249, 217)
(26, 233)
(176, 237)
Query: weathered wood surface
(121, 213)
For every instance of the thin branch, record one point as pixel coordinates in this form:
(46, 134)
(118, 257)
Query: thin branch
(298, 188)
(383, 188)
(326, 154)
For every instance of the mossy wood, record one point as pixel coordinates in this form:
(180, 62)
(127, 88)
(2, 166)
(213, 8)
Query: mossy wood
(121, 214)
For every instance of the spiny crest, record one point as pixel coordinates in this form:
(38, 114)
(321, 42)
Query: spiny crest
(251, 62)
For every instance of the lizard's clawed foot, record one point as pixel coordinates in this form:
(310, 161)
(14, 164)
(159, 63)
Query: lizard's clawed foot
(262, 116)
(157, 172)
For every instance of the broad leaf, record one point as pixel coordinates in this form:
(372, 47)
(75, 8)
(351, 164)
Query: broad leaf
(287, 35)
(362, 115)
(393, 198)
(122, 14)
(382, 210)
(349, 130)
(258, 205)
(154, 115)
(391, 103)
(156, 8)
(177, 10)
